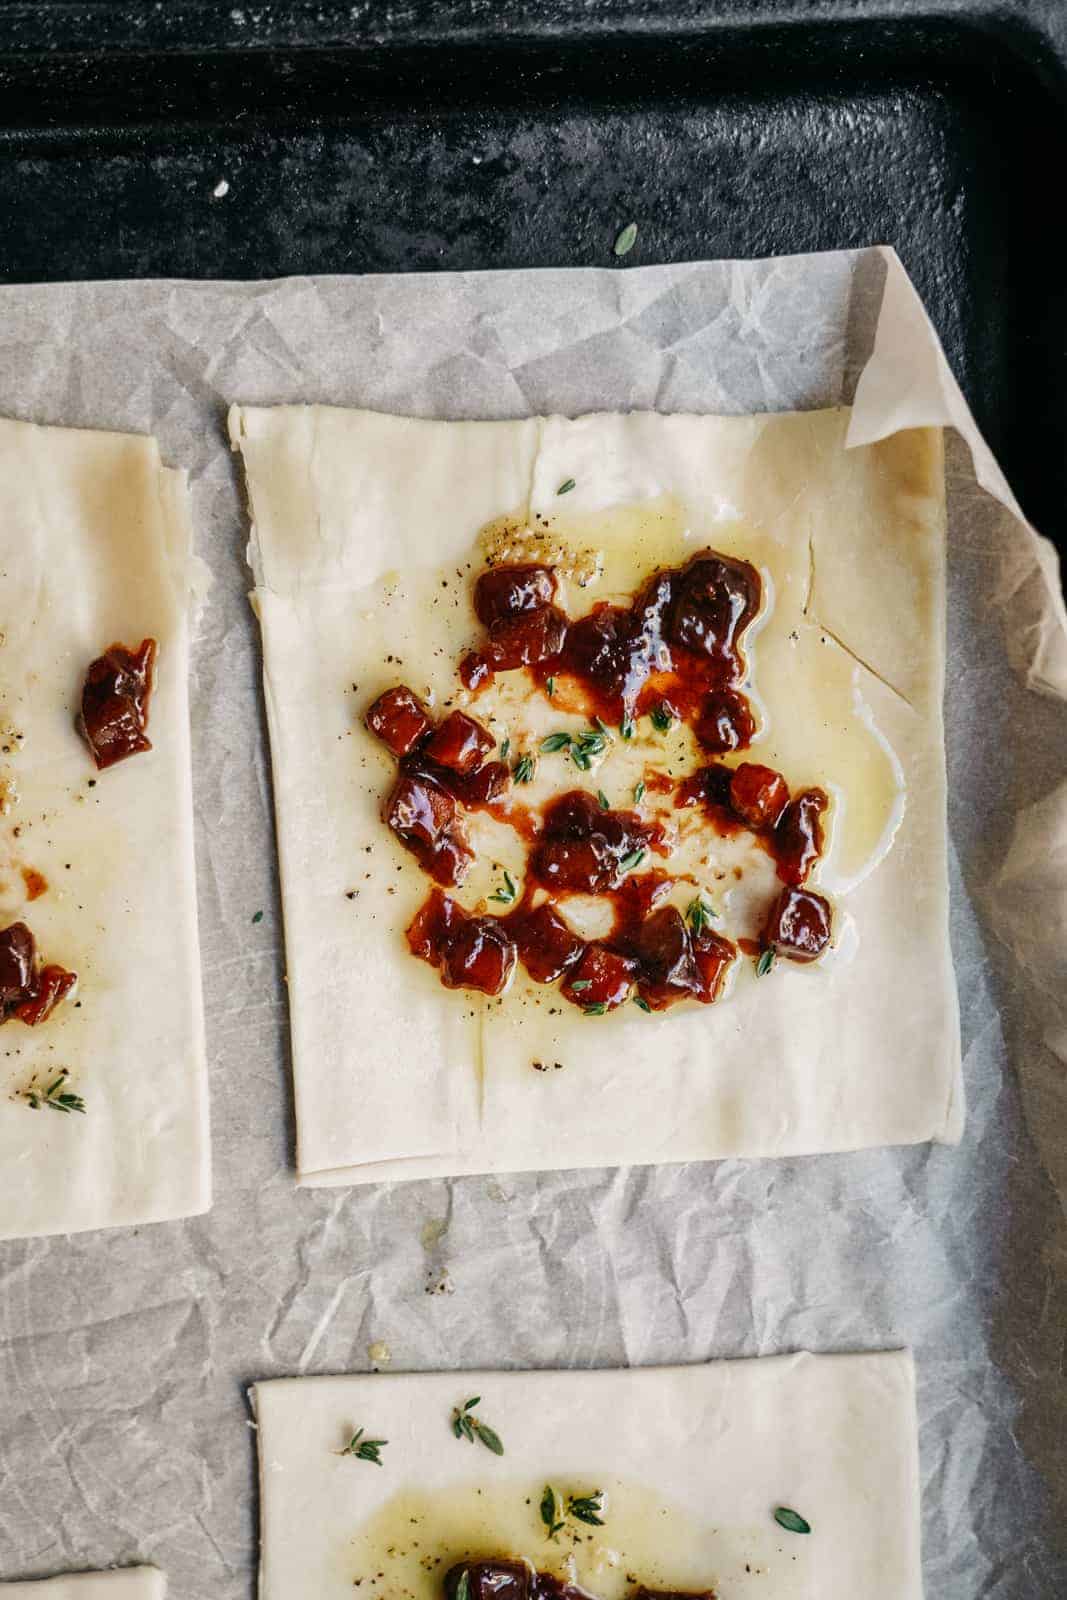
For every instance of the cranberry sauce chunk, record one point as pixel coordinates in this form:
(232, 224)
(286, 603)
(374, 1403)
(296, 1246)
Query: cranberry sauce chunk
(440, 767)
(547, 947)
(798, 837)
(400, 720)
(602, 979)
(28, 991)
(674, 964)
(587, 850)
(507, 591)
(470, 952)
(799, 925)
(114, 709)
(506, 1578)
(679, 638)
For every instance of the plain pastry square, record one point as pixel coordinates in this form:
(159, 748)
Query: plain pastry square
(94, 550)
(691, 1464)
(126, 1583)
(365, 532)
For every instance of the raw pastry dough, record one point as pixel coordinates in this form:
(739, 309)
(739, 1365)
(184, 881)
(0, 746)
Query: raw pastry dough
(127, 1583)
(716, 1448)
(94, 548)
(356, 516)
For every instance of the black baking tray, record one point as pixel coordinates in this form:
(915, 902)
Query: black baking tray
(502, 133)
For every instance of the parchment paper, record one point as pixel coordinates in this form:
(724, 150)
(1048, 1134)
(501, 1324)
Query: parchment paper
(124, 1356)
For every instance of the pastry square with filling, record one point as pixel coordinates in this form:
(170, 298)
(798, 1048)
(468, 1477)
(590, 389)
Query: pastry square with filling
(103, 1115)
(693, 1480)
(685, 624)
(125, 1583)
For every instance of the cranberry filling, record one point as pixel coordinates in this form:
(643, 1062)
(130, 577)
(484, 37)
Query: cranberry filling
(114, 709)
(400, 720)
(28, 992)
(799, 925)
(798, 838)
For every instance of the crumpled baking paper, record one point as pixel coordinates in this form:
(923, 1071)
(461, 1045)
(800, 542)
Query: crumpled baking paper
(125, 1356)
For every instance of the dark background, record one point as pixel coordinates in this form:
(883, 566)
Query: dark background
(726, 129)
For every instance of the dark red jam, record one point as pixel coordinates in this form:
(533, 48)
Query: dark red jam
(798, 837)
(28, 991)
(400, 720)
(587, 850)
(470, 952)
(680, 641)
(512, 591)
(799, 925)
(442, 767)
(758, 795)
(725, 722)
(547, 946)
(505, 1578)
(675, 652)
(114, 710)
(675, 965)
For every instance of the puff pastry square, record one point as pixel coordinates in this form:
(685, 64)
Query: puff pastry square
(365, 536)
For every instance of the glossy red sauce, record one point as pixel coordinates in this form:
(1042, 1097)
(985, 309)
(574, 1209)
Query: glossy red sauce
(114, 709)
(678, 646)
(675, 652)
(799, 925)
(501, 1578)
(36, 883)
(28, 991)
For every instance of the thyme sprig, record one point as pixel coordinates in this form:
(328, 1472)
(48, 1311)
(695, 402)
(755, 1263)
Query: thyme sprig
(581, 747)
(523, 770)
(465, 1425)
(507, 893)
(555, 1512)
(765, 963)
(699, 914)
(56, 1096)
(364, 1449)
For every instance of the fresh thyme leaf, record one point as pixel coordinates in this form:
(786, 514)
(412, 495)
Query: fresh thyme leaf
(364, 1449)
(792, 1521)
(587, 1508)
(604, 803)
(463, 1587)
(505, 896)
(639, 1000)
(699, 914)
(581, 758)
(465, 1425)
(581, 983)
(550, 687)
(566, 486)
(625, 239)
(634, 859)
(554, 742)
(551, 1511)
(523, 770)
(258, 917)
(639, 792)
(626, 728)
(765, 963)
(504, 748)
(661, 718)
(56, 1096)
(596, 1010)
(489, 1437)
